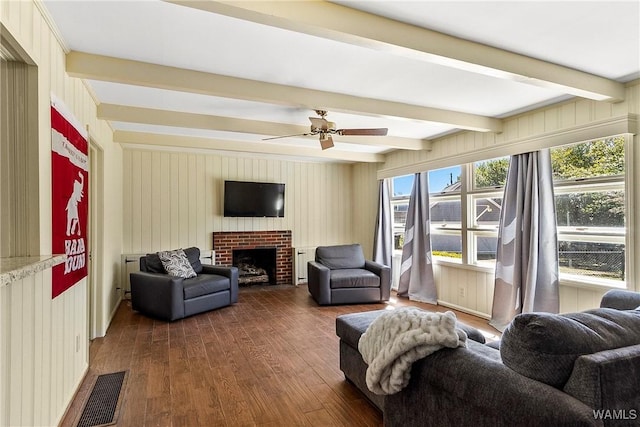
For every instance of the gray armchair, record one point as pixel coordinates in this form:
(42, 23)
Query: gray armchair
(157, 294)
(341, 275)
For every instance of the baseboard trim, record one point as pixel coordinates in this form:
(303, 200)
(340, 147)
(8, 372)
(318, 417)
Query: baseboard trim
(73, 395)
(464, 309)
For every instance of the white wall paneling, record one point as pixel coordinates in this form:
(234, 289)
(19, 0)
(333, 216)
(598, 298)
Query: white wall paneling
(44, 364)
(175, 200)
(44, 350)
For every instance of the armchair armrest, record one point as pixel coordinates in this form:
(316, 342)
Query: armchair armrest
(384, 272)
(318, 282)
(158, 295)
(620, 299)
(230, 272)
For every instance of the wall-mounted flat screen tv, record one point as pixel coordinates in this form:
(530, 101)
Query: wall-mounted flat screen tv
(253, 199)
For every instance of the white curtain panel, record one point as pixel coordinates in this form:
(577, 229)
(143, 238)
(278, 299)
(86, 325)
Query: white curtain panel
(527, 256)
(416, 272)
(383, 237)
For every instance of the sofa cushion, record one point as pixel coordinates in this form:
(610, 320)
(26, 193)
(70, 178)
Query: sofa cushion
(204, 284)
(153, 264)
(193, 255)
(353, 278)
(176, 263)
(544, 346)
(342, 256)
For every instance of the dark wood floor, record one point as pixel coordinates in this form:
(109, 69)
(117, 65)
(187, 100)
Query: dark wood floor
(270, 360)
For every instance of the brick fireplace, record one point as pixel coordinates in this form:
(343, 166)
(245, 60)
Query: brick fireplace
(225, 242)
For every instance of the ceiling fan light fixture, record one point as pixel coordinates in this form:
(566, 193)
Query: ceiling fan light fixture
(326, 141)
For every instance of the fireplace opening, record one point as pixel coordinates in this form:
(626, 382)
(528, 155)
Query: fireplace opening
(255, 266)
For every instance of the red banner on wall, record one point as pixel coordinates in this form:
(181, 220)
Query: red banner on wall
(69, 191)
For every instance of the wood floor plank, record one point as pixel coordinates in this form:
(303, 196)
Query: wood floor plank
(272, 359)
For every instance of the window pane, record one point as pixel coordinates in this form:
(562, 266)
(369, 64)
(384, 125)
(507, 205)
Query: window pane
(445, 180)
(398, 240)
(402, 185)
(590, 209)
(598, 260)
(490, 173)
(446, 245)
(487, 211)
(400, 213)
(486, 248)
(445, 212)
(604, 157)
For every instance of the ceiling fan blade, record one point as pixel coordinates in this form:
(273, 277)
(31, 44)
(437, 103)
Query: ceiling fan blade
(286, 136)
(369, 132)
(326, 142)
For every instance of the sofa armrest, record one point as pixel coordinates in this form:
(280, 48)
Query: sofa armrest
(384, 272)
(620, 299)
(318, 277)
(230, 272)
(453, 387)
(157, 295)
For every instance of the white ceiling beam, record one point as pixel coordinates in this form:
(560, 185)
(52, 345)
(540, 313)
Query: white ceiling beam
(97, 67)
(191, 142)
(129, 114)
(343, 24)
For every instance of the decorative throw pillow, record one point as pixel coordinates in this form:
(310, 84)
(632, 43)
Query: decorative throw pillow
(176, 263)
(544, 346)
(193, 255)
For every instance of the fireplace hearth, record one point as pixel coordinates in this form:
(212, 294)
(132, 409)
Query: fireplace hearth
(226, 242)
(255, 266)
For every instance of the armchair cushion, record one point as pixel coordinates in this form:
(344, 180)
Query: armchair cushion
(176, 263)
(353, 278)
(152, 264)
(193, 255)
(342, 256)
(204, 284)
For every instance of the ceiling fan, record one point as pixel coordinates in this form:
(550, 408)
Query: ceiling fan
(324, 128)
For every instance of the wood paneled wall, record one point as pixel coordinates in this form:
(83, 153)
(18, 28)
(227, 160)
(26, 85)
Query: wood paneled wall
(42, 354)
(176, 199)
(19, 225)
(40, 364)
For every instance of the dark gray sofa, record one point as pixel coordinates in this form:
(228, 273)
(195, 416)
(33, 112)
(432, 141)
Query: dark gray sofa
(157, 294)
(473, 386)
(341, 275)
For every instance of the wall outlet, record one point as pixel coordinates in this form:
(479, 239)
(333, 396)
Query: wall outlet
(462, 292)
(77, 343)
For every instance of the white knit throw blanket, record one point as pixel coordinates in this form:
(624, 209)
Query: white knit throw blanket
(398, 338)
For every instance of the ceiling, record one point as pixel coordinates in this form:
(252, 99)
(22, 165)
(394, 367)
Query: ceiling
(225, 75)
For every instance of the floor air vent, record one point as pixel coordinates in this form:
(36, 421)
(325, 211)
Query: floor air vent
(101, 406)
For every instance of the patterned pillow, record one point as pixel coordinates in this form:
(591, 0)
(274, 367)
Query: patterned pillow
(176, 263)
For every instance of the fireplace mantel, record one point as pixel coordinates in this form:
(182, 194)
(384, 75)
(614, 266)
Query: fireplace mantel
(224, 242)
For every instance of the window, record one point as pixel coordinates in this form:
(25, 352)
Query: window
(590, 194)
(401, 187)
(445, 212)
(590, 210)
(485, 200)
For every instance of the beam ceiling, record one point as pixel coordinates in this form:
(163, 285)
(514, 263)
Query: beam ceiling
(340, 23)
(123, 113)
(191, 142)
(97, 67)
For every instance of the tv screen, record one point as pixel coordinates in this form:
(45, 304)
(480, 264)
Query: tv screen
(253, 199)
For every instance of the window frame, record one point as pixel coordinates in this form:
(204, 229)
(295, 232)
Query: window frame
(469, 231)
